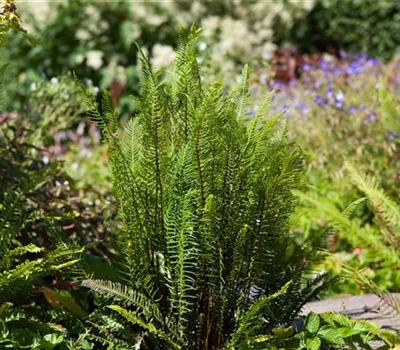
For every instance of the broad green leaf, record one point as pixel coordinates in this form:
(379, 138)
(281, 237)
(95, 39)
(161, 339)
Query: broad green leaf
(331, 317)
(331, 335)
(348, 332)
(312, 322)
(313, 343)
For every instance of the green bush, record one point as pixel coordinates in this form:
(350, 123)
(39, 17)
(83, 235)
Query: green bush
(357, 26)
(204, 200)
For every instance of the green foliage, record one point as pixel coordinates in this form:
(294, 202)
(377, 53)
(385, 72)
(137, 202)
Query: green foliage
(356, 26)
(21, 186)
(204, 200)
(380, 242)
(390, 107)
(18, 330)
(335, 331)
(9, 20)
(44, 230)
(92, 38)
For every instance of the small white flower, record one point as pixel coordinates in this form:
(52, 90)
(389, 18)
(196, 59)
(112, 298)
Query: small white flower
(79, 58)
(89, 83)
(94, 59)
(340, 96)
(82, 34)
(46, 160)
(202, 46)
(75, 166)
(163, 55)
(54, 80)
(33, 86)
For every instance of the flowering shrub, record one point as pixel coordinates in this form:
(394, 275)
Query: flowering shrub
(96, 40)
(93, 39)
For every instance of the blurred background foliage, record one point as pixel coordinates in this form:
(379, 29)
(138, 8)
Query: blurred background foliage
(357, 26)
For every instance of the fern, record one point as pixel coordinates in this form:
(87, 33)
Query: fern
(381, 241)
(387, 211)
(204, 198)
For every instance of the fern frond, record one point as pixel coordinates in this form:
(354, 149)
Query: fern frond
(134, 319)
(350, 229)
(126, 296)
(130, 143)
(385, 208)
(349, 210)
(92, 110)
(240, 96)
(250, 323)
(5, 261)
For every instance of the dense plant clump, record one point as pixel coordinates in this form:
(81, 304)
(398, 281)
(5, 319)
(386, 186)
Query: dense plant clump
(204, 198)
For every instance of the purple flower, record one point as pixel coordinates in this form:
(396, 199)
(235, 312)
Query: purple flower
(318, 100)
(393, 136)
(351, 110)
(337, 71)
(371, 117)
(356, 67)
(329, 93)
(251, 112)
(304, 109)
(254, 90)
(317, 84)
(276, 85)
(361, 107)
(306, 67)
(324, 65)
(373, 61)
(338, 104)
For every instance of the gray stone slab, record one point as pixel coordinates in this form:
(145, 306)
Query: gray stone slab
(366, 307)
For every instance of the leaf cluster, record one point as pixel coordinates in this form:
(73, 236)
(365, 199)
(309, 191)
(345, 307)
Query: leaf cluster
(204, 200)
